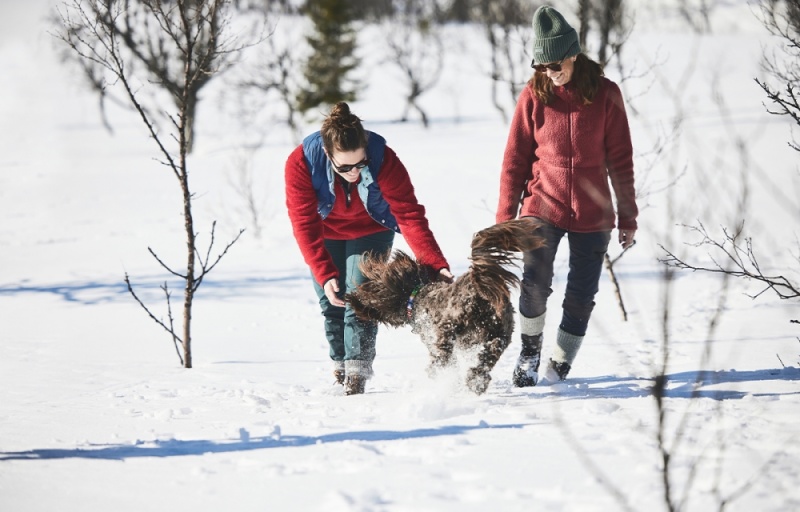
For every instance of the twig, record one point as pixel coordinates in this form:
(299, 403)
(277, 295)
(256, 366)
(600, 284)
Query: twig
(745, 263)
(591, 465)
(206, 269)
(175, 338)
(610, 266)
(165, 265)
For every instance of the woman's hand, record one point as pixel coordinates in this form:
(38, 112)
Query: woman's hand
(446, 276)
(626, 238)
(331, 291)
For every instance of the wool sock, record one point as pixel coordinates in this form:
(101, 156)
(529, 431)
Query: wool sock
(531, 326)
(567, 346)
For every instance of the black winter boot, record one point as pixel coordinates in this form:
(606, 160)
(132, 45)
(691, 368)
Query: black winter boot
(526, 373)
(557, 371)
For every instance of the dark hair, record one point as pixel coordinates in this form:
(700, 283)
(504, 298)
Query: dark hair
(342, 130)
(585, 75)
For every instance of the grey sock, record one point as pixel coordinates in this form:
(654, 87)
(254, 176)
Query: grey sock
(531, 326)
(567, 346)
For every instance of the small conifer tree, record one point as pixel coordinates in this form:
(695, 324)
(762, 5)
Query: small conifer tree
(334, 44)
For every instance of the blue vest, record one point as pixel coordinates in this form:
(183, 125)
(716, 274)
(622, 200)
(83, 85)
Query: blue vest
(322, 179)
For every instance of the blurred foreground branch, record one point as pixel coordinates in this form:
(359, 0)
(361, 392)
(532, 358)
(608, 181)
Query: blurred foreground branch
(740, 253)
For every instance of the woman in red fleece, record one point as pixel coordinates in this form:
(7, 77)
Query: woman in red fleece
(569, 138)
(347, 194)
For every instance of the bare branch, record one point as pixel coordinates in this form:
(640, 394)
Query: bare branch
(414, 45)
(745, 262)
(175, 339)
(598, 473)
(170, 329)
(166, 267)
(205, 270)
(609, 264)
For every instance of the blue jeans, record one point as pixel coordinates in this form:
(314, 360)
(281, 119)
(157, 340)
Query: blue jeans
(586, 252)
(349, 337)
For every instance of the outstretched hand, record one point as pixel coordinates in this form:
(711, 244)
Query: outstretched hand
(446, 276)
(331, 288)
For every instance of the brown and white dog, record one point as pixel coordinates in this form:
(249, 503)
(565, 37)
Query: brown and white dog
(473, 314)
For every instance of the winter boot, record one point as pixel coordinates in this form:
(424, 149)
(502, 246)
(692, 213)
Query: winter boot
(355, 385)
(556, 371)
(338, 372)
(526, 372)
(357, 372)
(567, 346)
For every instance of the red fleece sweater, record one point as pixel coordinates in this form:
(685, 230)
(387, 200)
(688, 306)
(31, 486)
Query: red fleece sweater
(350, 221)
(559, 159)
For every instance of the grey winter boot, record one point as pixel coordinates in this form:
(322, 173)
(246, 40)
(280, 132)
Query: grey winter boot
(338, 372)
(567, 346)
(526, 372)
(357, 372)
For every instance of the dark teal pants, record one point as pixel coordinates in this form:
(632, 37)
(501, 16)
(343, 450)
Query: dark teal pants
(348, 337)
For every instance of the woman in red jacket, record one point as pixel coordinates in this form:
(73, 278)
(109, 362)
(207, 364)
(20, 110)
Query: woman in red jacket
(347, 194)
(568, 139)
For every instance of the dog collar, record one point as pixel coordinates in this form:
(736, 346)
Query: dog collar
(410, 303)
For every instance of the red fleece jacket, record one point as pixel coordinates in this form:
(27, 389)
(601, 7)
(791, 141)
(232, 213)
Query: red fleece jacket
(350, 221)
(559, 159)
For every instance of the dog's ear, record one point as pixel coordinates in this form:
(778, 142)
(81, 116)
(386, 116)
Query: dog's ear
(377, 256)
(373, 262)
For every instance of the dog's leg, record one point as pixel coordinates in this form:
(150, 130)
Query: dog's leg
(478, 377)
(441, 353)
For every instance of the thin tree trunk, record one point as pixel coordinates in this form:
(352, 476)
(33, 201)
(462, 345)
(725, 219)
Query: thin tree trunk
(190, 240)
(189, 289)
(583, 17)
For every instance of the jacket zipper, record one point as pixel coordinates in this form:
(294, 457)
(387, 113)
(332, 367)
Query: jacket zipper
(571, 162)
(347, 191)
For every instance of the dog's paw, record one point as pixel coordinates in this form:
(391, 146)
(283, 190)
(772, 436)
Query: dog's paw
(478, 383)
(438, 365)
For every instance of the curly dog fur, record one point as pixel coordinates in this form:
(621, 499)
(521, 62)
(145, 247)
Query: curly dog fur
(472, 313)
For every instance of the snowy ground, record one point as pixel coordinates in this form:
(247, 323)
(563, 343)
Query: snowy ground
(96, 414)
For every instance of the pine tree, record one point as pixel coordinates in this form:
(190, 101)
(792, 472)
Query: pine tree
(334, 44)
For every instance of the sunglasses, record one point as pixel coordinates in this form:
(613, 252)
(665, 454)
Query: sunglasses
(553, 66)
(344, 169)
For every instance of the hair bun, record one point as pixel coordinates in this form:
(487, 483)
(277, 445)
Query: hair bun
(341, 109)
(342, 130)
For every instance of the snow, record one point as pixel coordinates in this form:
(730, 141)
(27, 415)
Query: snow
(97, 414)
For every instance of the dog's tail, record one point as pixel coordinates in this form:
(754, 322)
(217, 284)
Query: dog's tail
(493, 249)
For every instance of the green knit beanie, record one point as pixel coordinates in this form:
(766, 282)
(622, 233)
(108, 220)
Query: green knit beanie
(553, 38)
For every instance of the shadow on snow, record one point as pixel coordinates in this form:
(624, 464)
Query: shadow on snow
(148, 288)
(691, 384)
(175, 447)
